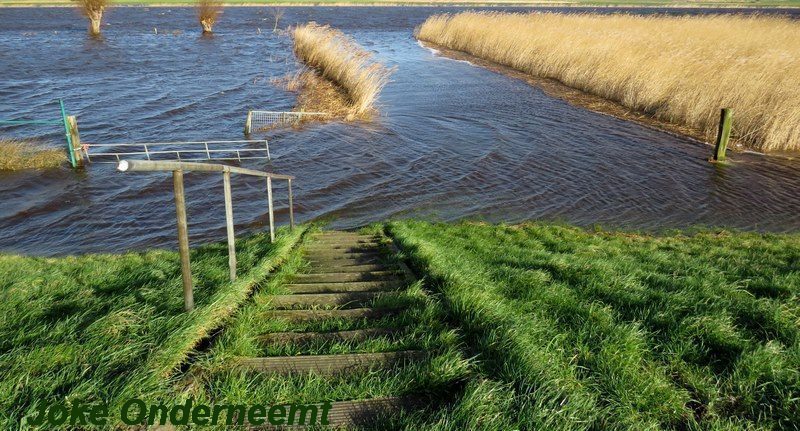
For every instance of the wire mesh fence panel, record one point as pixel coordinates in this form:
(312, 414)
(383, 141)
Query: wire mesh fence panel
(264, 120)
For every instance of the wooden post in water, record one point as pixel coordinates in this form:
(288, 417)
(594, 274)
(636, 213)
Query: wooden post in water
(226, 176)
(723, 134)
(75, 137)
(271, 215)
(291, 206)
(248, 124)
(183, 239)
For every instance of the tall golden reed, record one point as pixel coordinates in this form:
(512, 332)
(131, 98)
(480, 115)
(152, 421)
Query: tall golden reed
(342, 61)
(678, 69)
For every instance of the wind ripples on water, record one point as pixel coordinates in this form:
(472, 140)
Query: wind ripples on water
(453, 140)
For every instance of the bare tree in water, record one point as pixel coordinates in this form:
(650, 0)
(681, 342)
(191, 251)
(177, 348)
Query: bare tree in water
(93, 9)
(208, 11)
(277, 14)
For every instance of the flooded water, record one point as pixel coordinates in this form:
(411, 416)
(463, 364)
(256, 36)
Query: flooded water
(453, 140)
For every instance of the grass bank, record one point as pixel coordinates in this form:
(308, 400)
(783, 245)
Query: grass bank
(106, 328)
(613, 330)
(336, 58)
(23, 154)
(680, 70)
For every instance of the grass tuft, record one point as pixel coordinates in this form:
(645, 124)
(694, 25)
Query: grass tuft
(24, 154)
(681, 70)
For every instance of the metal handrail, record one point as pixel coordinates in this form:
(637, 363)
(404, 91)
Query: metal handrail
(177, 169)
(133, 144)
(164, 165)
(148, 152)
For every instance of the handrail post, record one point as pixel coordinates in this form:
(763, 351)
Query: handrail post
(271, 215)
(248, 123)
(291, 206)
(183, 239)
(226, 177)
(75, 140)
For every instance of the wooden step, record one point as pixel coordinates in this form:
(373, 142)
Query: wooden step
(342, 254)
(340, 414)
(321, 269)
(310, 337)
(345, 242)
(316, 315)
(345, 238)
(341, 249)
(340, 277)
(329, 364)
(345, 261)
(368, 412)
(350, 286)
(324, 299)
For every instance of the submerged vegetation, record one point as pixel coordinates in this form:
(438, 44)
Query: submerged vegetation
(93, 10)
(612, 330)
(337, 58)
(681, 70)
(23, 154)
(105, 328)
(207, 12)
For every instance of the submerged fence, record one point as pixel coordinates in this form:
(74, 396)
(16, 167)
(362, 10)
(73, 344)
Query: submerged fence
(260, 120)
(177, 169)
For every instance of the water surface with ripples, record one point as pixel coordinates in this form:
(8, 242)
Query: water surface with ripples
(453, 140)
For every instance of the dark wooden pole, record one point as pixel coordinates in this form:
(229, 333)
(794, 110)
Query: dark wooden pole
(226, 176)
(183, 239)
(291, 207)
(271, 214)
(723, 134)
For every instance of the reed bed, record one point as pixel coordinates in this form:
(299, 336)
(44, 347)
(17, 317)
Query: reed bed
(677, 69)
(339, 59)
(20, 154)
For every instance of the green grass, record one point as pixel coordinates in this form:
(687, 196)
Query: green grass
(533, 326)
(105, 328)
(604, 330)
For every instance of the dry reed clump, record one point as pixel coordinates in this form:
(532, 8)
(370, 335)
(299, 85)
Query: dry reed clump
(678, 69)
(22, 154)
(340, 60)
(207, 12)
(316, 94)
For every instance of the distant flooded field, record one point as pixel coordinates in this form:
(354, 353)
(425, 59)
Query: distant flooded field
(452, 140)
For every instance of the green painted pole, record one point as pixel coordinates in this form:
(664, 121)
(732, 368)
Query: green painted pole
(723, 134)
(70, 150)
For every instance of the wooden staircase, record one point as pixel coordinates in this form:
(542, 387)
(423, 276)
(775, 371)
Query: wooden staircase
(347, 275)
